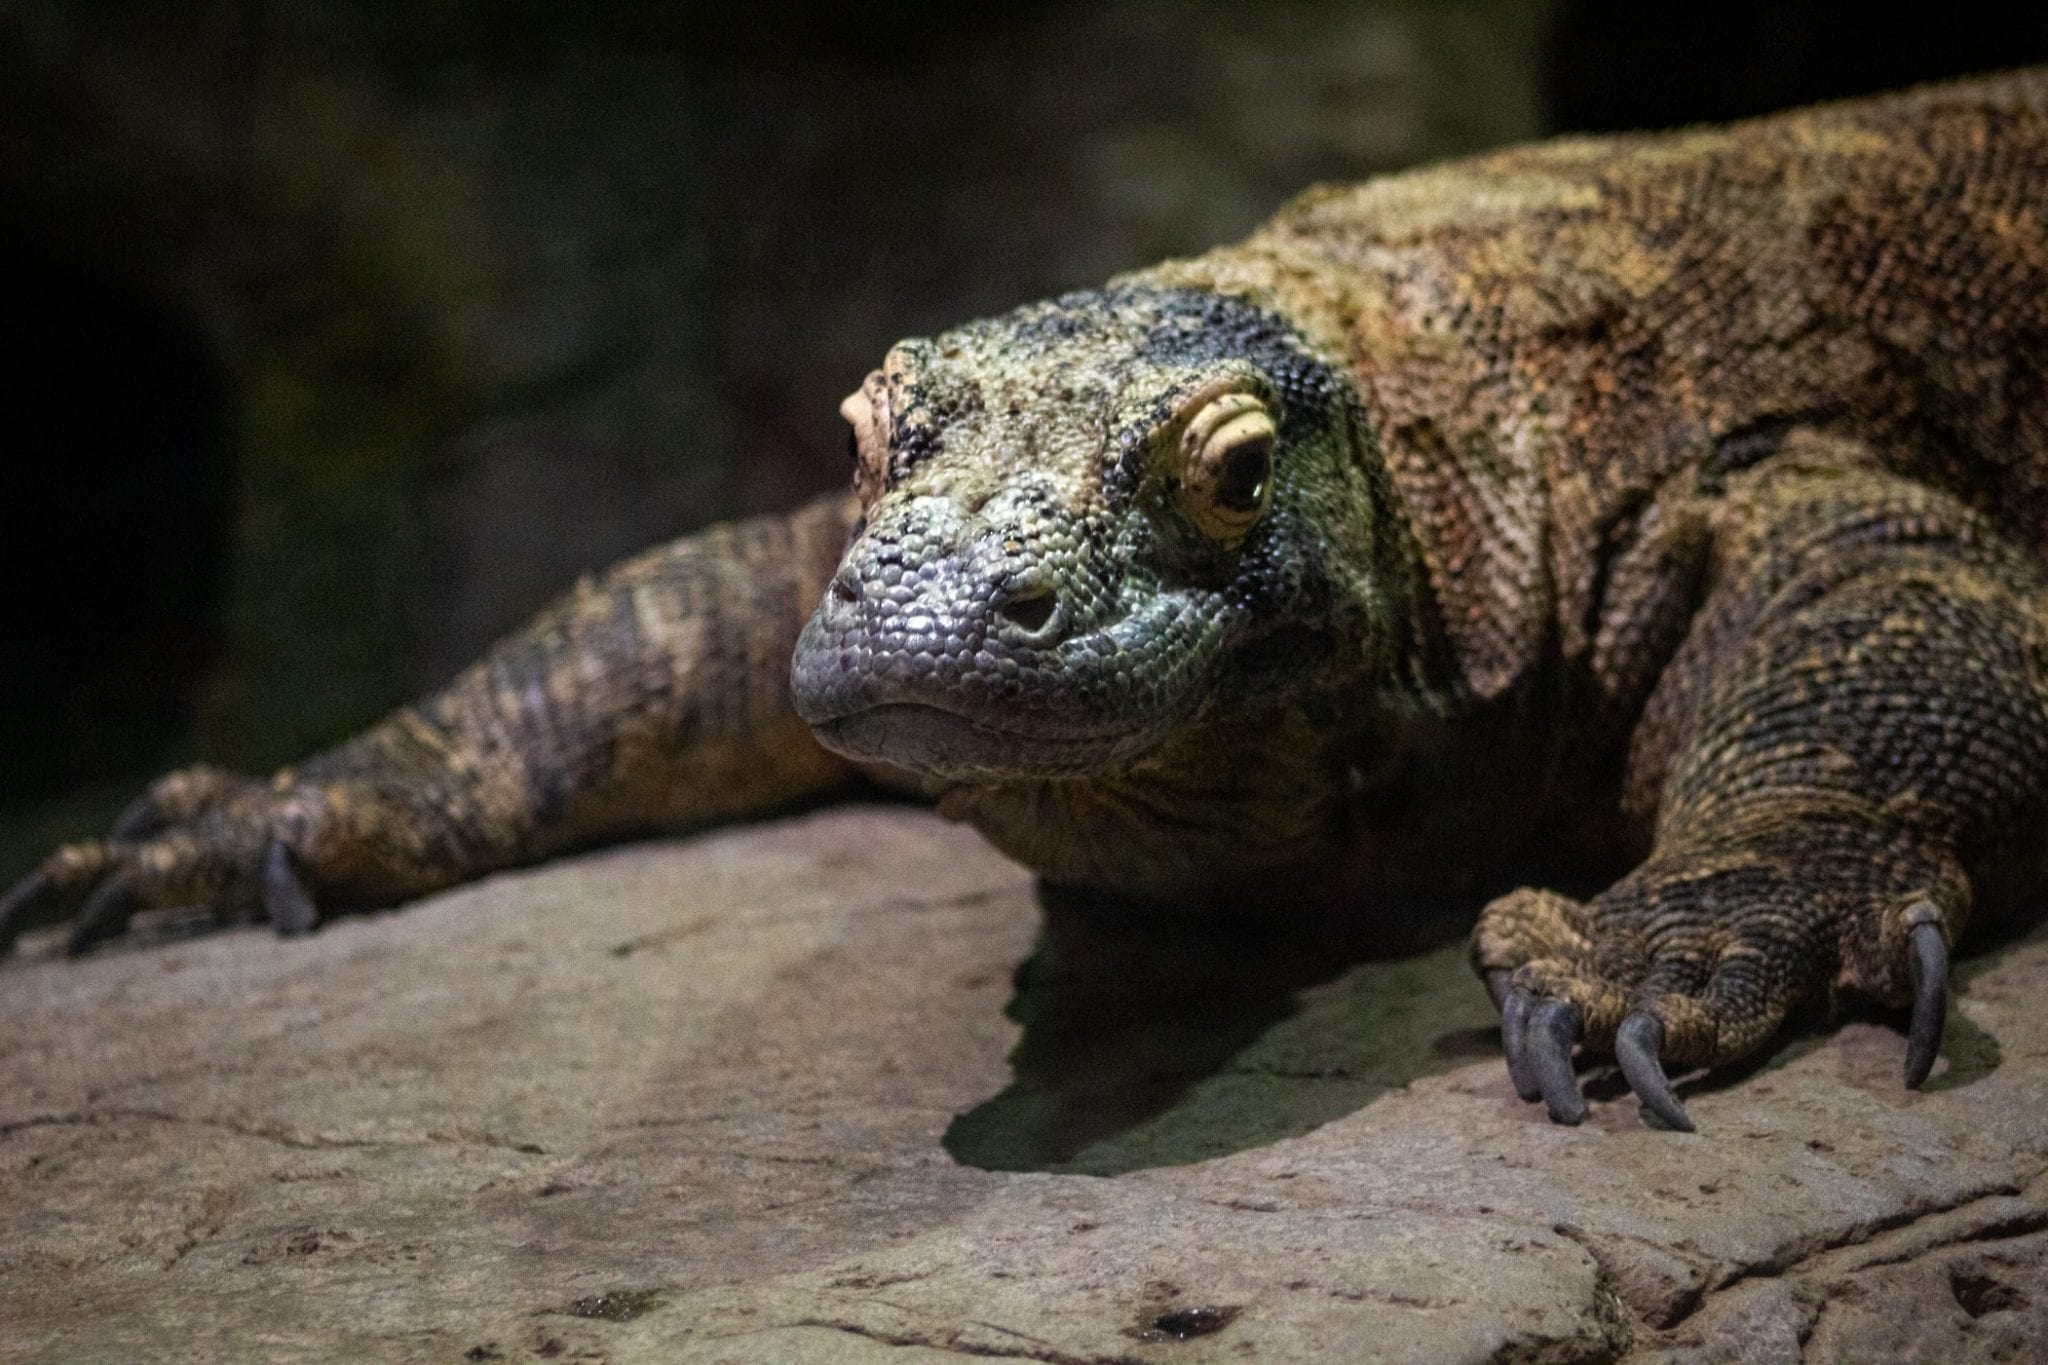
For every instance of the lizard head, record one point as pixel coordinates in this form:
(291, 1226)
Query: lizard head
(1084, 523)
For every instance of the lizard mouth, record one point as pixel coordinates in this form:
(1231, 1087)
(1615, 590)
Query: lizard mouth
(936, 742)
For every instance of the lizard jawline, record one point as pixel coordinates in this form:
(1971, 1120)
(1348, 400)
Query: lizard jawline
(935, 742)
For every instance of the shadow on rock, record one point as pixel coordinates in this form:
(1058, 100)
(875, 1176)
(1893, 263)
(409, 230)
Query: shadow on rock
(1155, 1039)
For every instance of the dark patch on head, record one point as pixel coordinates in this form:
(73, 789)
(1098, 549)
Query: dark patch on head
(1067, 316)
(932, 397)
(1126, 463)
(1193, 330)
(910, 445)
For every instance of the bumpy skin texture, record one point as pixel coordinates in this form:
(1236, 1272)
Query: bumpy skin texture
(646, 699)
(1678, 500)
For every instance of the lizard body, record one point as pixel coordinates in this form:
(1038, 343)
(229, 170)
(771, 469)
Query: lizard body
(1682, 493)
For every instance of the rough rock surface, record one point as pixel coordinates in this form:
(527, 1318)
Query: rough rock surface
(752, 1097)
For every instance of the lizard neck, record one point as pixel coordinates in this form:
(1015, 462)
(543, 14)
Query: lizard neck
(1200, 821)
(1255, 800)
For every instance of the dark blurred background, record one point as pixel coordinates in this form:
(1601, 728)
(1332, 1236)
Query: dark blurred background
(335, 337)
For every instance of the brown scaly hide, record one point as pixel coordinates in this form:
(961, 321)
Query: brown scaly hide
(1557, 342)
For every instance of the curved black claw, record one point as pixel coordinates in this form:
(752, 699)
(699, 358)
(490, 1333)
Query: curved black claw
(1930, 1001)
(1498, 983)
(23, 897)
(1553, 1028)
(106, 915)
(286, 902)
(1514, 1037)
(139, 819)
(1637, 1044)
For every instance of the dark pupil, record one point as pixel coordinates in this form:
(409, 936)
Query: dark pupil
(1244, 475)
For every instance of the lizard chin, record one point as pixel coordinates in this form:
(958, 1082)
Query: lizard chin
(933, 742)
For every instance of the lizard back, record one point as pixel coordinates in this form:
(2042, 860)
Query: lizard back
(1548, 338)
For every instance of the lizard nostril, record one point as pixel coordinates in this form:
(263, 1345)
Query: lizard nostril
(846, 587)
(1036, 613)
(1032, 613)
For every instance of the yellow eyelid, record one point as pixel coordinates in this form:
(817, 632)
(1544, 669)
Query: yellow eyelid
(1230, 420)
(1228, 410)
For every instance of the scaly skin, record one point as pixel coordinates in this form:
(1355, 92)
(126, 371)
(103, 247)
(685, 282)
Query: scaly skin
(1683, 497)
(651, 698)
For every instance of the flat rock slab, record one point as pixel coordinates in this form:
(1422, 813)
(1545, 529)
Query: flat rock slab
(841, 1089)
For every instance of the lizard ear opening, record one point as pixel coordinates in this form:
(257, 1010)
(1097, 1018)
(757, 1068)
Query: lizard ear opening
(870, 439)
(1226, 480)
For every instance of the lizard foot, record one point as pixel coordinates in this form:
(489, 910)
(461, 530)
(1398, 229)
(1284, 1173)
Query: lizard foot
(1696, 961)
(196, 837)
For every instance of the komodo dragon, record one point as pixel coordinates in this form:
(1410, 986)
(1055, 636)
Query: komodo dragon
(1676, 504)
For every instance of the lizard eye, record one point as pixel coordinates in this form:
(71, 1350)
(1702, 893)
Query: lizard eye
(1226, 478)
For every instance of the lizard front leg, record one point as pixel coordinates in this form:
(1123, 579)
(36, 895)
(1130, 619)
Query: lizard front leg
(1852, 741)
(654, 697)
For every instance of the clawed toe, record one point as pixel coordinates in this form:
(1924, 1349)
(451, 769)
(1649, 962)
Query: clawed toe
(1514, 1024)
(1929, 961)
(15, 907)
(1700, 959)
(1554, 1028)
(1638, 1044)
(286, 903)
(106, 915)
(65, 878)
(228, 865)
(1538, 1036)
